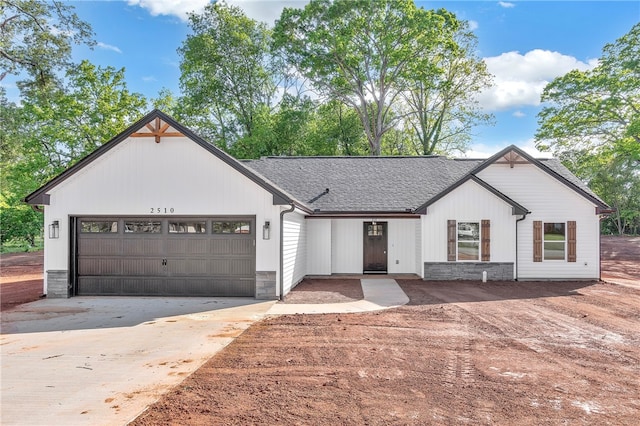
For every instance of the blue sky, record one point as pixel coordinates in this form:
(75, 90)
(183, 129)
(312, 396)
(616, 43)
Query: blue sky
(525, 44)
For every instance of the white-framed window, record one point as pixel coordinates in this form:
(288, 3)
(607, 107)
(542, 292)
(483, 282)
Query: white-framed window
(468, 241)
(554, 240)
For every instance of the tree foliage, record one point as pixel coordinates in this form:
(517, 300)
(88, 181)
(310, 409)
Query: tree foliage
(441, 108)
(368, 53)
(228, 76)
(52, 129)
(36, 38)
(592, 123)
(596, 108)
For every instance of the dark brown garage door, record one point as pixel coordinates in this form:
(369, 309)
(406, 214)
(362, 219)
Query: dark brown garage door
(151, 256)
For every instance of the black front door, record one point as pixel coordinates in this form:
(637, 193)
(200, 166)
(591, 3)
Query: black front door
(375, 247)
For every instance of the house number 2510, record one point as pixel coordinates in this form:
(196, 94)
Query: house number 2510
(157, 210)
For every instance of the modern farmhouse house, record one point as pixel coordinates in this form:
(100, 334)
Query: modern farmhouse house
(159, 211)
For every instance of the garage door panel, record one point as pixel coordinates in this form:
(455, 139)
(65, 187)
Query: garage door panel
(99, 266)
(132, 246)
(188, 267)
(100, 247)
(240, 246)
(219, 246)
(169, 262)
(98, 286)
(142, 266)
(182, 246)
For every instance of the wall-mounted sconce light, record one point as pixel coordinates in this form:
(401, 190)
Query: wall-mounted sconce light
(54, 229)
(266, 230)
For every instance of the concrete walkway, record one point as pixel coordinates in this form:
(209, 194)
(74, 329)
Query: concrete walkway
(103, 360)
(379, 293)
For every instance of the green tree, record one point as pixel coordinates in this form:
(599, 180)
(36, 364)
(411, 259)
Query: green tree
(228, 76)
(17, 220)
(363, 53)
(166, 102)
(64, 124)
(615, 176)
(283, 132)
(596, 108)
(335, 129)
(36, 38)
(592, 123)
(441, 107)
(52, 129)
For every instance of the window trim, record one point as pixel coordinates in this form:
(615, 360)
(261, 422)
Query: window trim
(477, 241)
(554, 241)
(483, 240)
(570, 241)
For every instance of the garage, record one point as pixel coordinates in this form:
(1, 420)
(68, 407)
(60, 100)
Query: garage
(165, 256)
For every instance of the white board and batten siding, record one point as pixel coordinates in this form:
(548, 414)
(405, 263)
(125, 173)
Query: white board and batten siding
(294, 249)
(418, 250)
(139, 177)
(319, 246)
(402, 246)
(549, 200)
(469, 202)
(346, 246)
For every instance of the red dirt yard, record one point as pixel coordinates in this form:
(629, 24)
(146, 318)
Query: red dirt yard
(20, 278)
(458, 353)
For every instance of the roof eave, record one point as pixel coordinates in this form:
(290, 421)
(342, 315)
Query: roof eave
(408, 213)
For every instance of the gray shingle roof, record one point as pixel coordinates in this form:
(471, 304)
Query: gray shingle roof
(382, 184)
(357, 184)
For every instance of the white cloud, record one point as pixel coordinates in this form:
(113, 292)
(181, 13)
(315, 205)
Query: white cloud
(262, 10)
(106, 46)
(179, 8)
(473, 25)
(486, 151)
(149, 78)
(506, 4)
(266, 10)
(520, 79)
(519, 114)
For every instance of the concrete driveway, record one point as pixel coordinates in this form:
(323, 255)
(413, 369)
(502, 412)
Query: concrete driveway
(102, 360)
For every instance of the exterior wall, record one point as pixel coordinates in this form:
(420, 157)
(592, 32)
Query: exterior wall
(401, 246)
(469, 202)
(139, 176)
(347, 245)
(449, 271)
(418, 237)
(549, 201)
(294, 250)
(319, 246)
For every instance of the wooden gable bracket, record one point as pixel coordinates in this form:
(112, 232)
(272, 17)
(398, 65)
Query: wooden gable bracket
(158, 129)
(512, 158)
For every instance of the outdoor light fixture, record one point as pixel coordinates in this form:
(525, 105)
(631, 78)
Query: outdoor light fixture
(54, 229)
(266, 230)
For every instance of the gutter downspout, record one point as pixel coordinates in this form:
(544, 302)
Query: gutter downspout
(282, 213)
(524, 216)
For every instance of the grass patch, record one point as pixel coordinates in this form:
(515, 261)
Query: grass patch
(21, 246)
